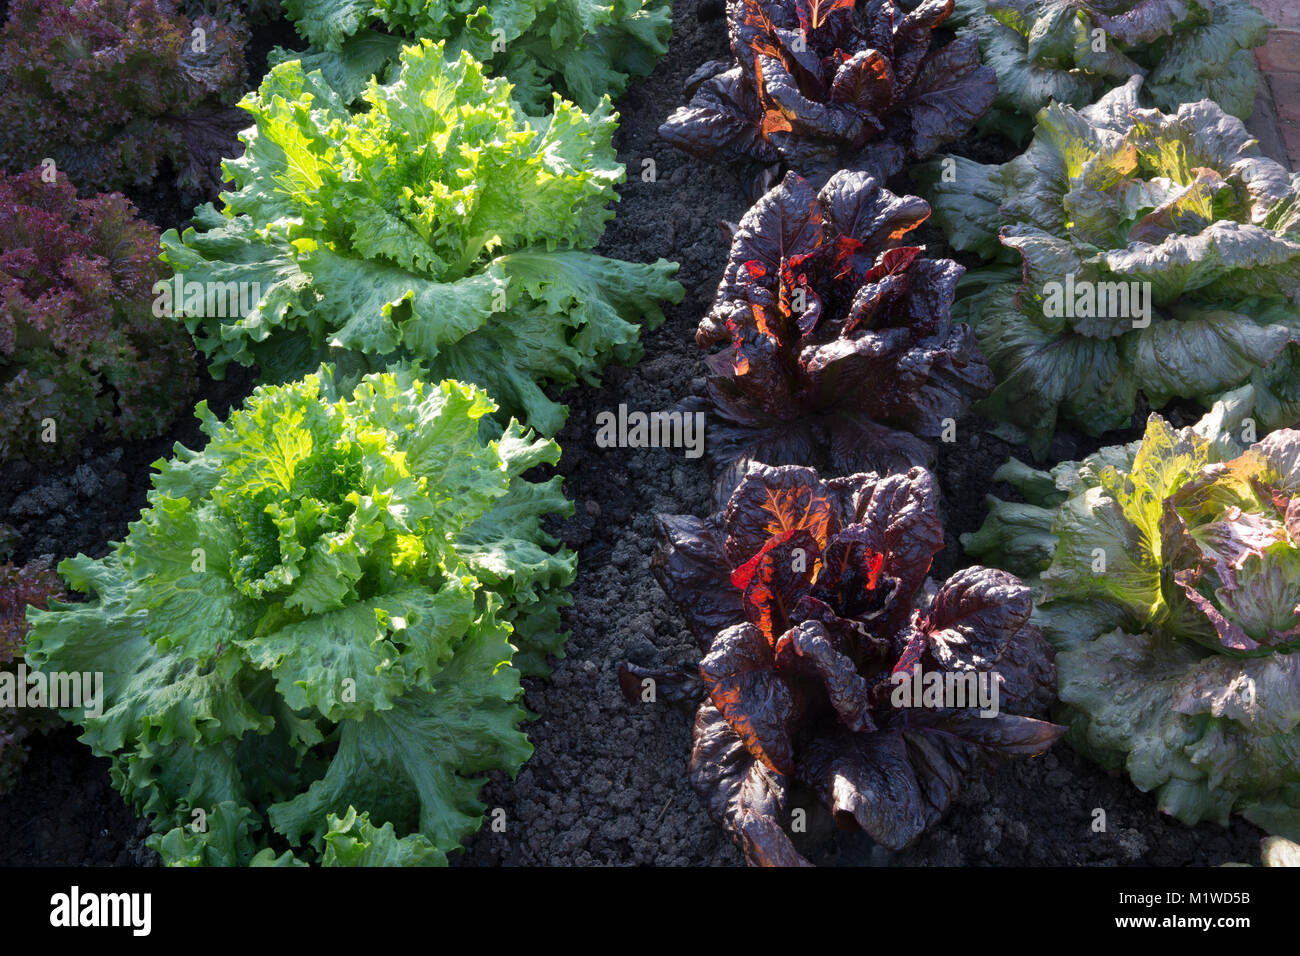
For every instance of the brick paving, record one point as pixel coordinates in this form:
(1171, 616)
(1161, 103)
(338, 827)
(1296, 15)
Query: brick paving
(1279, 63)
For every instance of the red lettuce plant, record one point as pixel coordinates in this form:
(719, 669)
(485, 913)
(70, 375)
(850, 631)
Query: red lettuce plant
(819, 85)
(838, 336)
(811, 602)
(80, 348)
(33, 583)
(112, 88)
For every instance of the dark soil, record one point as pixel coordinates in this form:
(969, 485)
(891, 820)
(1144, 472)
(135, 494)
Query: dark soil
(607, 782)
(64, 812)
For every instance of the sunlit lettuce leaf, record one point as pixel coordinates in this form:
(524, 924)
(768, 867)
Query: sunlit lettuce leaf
(1159, 253)
(1173, 598)
(316, 615)
(441, 224)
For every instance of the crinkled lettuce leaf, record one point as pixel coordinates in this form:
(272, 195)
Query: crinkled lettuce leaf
(1159, 252)
(318, 615)
(1209, 735)
(440, 225)
(1072, 50)
(1169, 585)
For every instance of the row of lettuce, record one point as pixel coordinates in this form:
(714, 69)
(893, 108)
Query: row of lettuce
(1160, 594)
(311, 641)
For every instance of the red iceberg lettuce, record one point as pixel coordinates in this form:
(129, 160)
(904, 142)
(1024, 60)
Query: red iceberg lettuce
(819, 85)
(811, 602)
(838, 336)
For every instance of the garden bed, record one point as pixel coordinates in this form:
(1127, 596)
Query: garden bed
(607, 782)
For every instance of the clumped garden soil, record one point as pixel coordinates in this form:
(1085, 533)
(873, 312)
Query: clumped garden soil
(607, 781)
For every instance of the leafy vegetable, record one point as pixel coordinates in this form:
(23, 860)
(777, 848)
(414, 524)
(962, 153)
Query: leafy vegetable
(1173, 597)
(114, 90)
(1160, 252)
(1072, 50)
(351, 840)
(818, 85)
(810, 600)
(583, 50)
(440, 225)
(80, 349)
(30, 584)
(839, 336)
(316, 615)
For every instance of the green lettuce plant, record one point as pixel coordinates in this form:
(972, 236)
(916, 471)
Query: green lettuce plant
(581, 49)
(1168, 573)
(1071, 51)
(351, 840)
(441, 225)
(324, 611)
(1156, 252)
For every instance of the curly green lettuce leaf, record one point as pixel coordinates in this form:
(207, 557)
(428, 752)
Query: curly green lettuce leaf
(440, 225)
(220, 838)
(349, 69)
(318, 614)
(353, 840)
